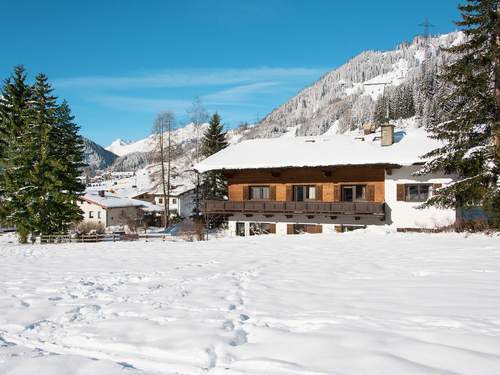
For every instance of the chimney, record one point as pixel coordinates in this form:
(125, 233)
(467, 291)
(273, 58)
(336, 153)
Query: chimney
(101, 193)
(387, 135)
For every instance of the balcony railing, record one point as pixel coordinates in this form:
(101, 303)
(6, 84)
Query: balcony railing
(294, 208)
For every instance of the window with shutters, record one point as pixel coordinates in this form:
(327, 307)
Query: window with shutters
(259, 192)
(353, 193)
(304, 193)
(261, 228)
(306, 228)
(417, 192)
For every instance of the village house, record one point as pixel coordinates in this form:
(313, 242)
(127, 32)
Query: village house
(110, 209)
(325, 184)
(182, 199)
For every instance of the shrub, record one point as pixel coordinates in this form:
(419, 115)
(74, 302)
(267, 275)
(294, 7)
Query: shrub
(86, 227)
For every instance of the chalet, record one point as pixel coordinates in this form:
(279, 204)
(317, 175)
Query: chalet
(112, 210)
(324, 184)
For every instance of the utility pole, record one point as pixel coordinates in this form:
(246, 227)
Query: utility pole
(426, 25)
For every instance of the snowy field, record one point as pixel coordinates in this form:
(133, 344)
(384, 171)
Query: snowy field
(356, 303)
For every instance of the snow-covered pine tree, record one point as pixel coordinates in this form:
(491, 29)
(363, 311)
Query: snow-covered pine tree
(15, 115)
(42, 158)
(38, 148)
(66, 156)
(214, 140)
(470, 119)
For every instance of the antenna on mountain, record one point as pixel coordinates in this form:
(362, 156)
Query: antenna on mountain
(426, 25)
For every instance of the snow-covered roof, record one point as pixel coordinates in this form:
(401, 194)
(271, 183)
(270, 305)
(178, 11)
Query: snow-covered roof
(110, 200)
(322, 151)
(151, 207)
(175, 192)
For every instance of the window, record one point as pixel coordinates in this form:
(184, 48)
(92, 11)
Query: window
(304, 228)
(261, 228)
(174, 201)
(353, 193)
(259, 192)
(240, 229)
(160, 200)
(98, 214)
(91, 214)
(304, 192)
(417, 192)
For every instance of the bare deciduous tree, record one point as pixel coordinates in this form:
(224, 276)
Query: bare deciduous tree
(163, 153)
(198, 116)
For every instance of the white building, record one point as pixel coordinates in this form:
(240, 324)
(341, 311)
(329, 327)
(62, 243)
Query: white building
(112, 210)
(182, 199)
(334, 183)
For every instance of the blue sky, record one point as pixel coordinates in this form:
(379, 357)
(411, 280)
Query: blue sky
(118, 63)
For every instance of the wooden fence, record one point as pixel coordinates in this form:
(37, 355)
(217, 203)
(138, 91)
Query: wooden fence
(66, 238)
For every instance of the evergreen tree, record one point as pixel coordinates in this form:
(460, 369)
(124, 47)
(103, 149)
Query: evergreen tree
(38, 148)
(42, 158)
(15, 115)
(470, 120)
(67, 162)
(214, 140)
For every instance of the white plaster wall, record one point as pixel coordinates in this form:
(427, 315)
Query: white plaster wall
(405, 214)
(98, 212)
(173, 206)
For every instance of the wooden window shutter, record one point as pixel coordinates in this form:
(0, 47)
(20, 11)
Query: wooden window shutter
(289, 193)
(401, 192)
(319, 192)
(289, 229)
(246, 192)
(272, 228)
(435, 188)
(370, 193)
(336, 193)
(272, 192)
(319, 228)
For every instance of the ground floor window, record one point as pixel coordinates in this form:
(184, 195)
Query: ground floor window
(262, 228)
(304, 228)
(240, 229)
(350, 228)
(417, 192)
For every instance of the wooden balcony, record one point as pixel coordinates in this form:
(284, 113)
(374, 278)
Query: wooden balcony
(294, 208)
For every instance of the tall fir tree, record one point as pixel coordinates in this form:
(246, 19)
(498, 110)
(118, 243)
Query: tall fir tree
(42, 158)
(470, 114)
(66, 157)
(15, 116)
(214, 140)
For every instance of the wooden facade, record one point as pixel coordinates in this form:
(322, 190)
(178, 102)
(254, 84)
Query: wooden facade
(328, 182)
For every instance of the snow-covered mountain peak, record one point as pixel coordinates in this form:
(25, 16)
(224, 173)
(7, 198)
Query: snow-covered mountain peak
(345, 97)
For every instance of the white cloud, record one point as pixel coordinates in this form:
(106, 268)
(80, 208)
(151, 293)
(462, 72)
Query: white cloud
(185, 78)
(239, 94)
(141, 104)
